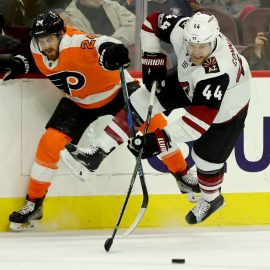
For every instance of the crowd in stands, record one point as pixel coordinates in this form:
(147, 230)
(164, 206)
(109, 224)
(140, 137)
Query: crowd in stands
(117, 18)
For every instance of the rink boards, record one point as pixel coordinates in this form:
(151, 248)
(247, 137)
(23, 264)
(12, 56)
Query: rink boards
(26, 105)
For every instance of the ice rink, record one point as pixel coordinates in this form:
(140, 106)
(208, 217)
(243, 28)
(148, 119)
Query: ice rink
(239, 248)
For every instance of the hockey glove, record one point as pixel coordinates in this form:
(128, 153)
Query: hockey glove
(153, 144)
(114, 56)
(13, 66)
(154, 68)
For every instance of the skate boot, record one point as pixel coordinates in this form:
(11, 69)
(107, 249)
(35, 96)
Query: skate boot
(204, 209)
(28, 216)
(189, 185)
(89, 159)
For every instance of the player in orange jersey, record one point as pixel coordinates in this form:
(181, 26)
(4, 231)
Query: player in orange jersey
(85, 68)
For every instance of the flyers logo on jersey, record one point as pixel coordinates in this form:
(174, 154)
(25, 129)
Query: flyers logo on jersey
(210, 65)
(68, 81)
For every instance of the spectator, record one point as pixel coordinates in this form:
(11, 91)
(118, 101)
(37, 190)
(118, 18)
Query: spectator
(234, 7)
(258, 54)
(64, 16)
(105, 17)
(20, 12)
(54, 4)
(175, 7)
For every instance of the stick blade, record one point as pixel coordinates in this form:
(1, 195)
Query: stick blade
(108, 244)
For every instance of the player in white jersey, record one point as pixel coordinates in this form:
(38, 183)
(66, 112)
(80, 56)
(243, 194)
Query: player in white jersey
(216, 82)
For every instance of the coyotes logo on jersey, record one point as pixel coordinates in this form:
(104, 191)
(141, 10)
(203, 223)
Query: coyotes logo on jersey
(210, 65)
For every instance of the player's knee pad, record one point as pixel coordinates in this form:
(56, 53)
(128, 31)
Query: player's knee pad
(49, 147)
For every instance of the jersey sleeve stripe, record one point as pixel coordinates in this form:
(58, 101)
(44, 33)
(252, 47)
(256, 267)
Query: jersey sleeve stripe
(204, 113)
(146, 28)
(193, 125)
(197, 120)
(152, 20)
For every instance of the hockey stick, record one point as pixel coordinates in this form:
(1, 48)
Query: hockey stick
(108, 243)
(140, 168)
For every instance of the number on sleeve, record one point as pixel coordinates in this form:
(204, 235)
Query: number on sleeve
(207, 92)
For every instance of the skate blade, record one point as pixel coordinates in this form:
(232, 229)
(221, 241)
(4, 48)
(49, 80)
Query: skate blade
(74, 166)
(28, 226)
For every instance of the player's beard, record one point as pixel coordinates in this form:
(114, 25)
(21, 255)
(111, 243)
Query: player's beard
(51, 54)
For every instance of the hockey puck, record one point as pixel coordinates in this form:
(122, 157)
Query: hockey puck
(178, 260)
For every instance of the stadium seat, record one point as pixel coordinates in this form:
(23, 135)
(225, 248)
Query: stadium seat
(253, 23)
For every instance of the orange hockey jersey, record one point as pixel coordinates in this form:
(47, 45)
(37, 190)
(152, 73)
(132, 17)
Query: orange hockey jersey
(77, 72)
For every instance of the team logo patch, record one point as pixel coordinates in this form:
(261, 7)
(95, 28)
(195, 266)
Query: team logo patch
(210, 65)
(68, 81)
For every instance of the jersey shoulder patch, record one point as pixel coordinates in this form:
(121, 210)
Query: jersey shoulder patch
(211, 65)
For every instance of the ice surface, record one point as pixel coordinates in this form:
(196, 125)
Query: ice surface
(239, 248)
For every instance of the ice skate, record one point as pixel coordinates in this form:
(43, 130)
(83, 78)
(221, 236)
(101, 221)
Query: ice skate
(86, 160)
(189, 185)
(204, 209)
(28, 217)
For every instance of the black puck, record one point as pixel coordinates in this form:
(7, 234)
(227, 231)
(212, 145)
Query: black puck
(178, 260)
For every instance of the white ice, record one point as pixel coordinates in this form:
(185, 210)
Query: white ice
(239, 248)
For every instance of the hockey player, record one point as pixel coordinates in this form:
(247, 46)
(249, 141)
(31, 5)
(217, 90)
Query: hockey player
(75, 63)
(216, 80)
(85, 69)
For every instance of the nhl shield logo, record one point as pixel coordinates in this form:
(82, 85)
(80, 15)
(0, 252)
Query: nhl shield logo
(210, 65)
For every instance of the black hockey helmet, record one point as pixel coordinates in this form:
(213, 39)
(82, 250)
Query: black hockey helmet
(47, 23)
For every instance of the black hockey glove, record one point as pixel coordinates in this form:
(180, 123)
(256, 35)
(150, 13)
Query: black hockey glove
(13, 66)
(154, 68)
(114, 56)
(153, 144)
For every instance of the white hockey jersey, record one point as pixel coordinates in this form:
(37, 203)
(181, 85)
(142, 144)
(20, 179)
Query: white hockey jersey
(219, 89)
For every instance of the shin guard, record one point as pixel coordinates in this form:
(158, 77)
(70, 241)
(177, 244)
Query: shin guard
(45, 164)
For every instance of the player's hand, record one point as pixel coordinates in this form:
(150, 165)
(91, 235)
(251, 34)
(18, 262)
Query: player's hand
(154, 69)
(152, 143)
(12, 66)
(114, 56)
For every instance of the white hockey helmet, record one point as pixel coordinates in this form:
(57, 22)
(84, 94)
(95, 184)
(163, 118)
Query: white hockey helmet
(202, 28)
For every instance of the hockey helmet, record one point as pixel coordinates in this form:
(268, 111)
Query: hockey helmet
(47, 23)
(202, 28)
